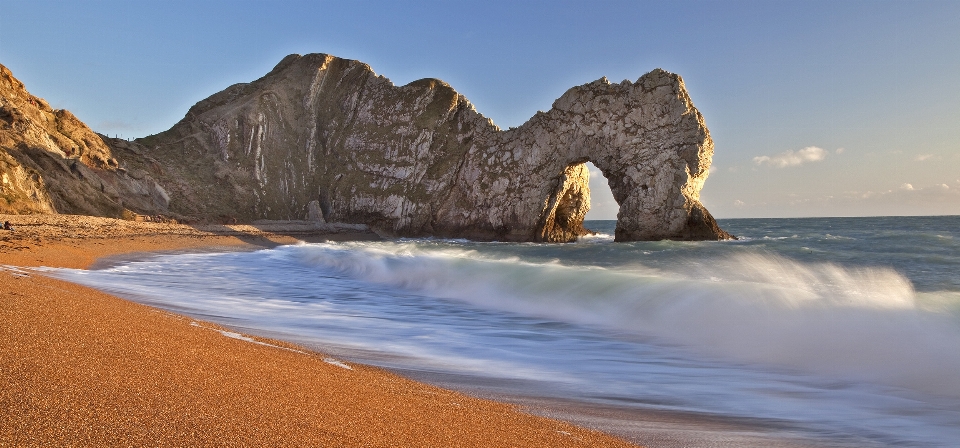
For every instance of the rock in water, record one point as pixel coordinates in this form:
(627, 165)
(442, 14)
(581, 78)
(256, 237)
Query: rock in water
(314, 213)
(419, 160)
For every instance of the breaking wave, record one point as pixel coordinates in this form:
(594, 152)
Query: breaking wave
(754, 307)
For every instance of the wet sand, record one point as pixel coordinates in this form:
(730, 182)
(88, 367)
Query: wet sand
(79, 367)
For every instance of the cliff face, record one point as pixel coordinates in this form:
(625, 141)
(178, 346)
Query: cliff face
(418, 160)
(326, 138)
(50, 162)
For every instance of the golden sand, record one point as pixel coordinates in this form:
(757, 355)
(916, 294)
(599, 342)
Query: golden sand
(79, 367)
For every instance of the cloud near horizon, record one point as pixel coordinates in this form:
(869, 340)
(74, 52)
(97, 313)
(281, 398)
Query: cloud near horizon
(907, 199)
(792, 158)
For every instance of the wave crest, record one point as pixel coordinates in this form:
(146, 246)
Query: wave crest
(752, 307)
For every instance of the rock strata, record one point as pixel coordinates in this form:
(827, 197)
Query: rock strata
(50, 162)
(419, 160)
(325, 139)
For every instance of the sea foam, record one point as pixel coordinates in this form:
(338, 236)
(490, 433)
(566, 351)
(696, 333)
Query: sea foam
(859, 323)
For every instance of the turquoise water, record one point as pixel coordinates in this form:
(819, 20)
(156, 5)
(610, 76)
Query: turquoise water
(840, 331)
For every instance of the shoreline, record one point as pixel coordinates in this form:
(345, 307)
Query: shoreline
(97, 243)
(82, 367)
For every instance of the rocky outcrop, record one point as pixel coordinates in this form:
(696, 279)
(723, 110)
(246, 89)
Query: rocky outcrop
(328, 140)
(50, 162)
(419, 160)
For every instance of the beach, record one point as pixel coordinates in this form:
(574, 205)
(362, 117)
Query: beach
(802, 333)
(79, 367)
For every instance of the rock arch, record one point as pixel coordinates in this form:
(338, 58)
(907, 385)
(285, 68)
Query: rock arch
(647, 138)
(418, 159)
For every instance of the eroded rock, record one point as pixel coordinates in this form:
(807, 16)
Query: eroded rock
(328, 140)
(419, 160)
(51, 162)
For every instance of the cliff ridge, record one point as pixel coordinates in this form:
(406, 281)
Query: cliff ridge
(325, 138)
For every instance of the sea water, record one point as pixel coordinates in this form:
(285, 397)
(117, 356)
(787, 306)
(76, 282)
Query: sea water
(836, 331)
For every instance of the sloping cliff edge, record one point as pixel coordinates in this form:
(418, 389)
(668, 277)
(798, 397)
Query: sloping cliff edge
(51, 162)
(327, 138)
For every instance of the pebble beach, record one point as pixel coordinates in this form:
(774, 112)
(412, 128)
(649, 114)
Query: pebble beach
(79, 367)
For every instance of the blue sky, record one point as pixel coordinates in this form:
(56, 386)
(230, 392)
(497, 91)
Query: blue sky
(841, 108)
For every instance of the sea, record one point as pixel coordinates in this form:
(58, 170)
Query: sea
(802, 332)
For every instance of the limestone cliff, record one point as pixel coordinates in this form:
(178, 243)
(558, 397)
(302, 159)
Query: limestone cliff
(50, 162)
(328, 139)
(418, 159)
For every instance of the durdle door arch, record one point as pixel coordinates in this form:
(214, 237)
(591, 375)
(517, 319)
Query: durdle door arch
(419, 160)
(648, 141)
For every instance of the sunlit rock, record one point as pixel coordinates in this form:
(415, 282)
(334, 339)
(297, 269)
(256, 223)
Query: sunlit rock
(51, 162)
(419, 160)
(327, 139)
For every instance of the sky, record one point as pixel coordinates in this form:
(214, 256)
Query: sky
(838, 108)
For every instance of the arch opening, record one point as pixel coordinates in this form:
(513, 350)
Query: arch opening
(571, 200)
(603, 207)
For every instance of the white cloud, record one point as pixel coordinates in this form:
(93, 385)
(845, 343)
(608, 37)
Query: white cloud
(908, 193)
(923, 157)
(941, 198)
(841, 150)
(792, 158)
